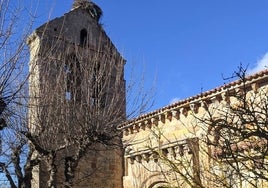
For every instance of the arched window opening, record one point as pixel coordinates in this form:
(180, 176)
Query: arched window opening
(73, 79)
(98, 81)
(68, 75)
(83, 37)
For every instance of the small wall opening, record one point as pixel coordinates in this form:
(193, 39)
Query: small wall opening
(83, 37)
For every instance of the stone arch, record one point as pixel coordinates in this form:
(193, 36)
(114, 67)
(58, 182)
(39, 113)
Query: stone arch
(154, 181)
(159, 184)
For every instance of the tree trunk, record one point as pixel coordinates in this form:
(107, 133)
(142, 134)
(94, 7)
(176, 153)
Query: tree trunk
(52, 169)
(69, 168)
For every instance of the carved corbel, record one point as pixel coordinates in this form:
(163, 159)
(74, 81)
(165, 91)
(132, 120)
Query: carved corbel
(138, 158)
(239, 91)
(142, 125)
(154, 121)
(136, 128)
(155, 157)
(176, 114)
(146, 157)
(194, 107)
(188, 149)
(225, 98)
(168, 115)
(179, 151)
(164, 152)
(255, 87)
(130, 130)
(148, 124)
(184, 111)
(128, 150)
(162, 118)
(204, 105)
(214, 100)
(126, 132)
(131, 160)
(171, 153)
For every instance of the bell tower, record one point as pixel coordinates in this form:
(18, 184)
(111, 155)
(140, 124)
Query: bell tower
(77, 99)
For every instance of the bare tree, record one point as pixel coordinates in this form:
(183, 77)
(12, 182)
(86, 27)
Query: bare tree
(237, 136)
(13, 79)
(178, 161)
(81, 101)
(76, 105)
(77, 101)
(230, 138)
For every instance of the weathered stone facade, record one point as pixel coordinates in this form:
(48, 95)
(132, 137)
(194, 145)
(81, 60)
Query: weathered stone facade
(67, 55)
(157, 143)
(152, 142)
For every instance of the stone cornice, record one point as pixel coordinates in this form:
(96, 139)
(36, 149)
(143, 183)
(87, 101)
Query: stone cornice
(173, 149)
(183, 107)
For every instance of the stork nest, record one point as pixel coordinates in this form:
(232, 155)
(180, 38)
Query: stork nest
(93, 9)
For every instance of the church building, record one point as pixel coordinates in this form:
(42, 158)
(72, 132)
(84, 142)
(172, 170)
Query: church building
(78, 117)
(77, 99)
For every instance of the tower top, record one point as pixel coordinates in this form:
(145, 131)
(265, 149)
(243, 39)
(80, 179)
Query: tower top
(93, 9)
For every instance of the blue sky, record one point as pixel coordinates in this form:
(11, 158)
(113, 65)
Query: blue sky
(187, 46)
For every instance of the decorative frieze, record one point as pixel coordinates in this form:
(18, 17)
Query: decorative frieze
(250, 146)
(172, 152)
(179, 113)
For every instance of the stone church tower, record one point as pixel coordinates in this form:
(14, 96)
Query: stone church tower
(77, 98)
